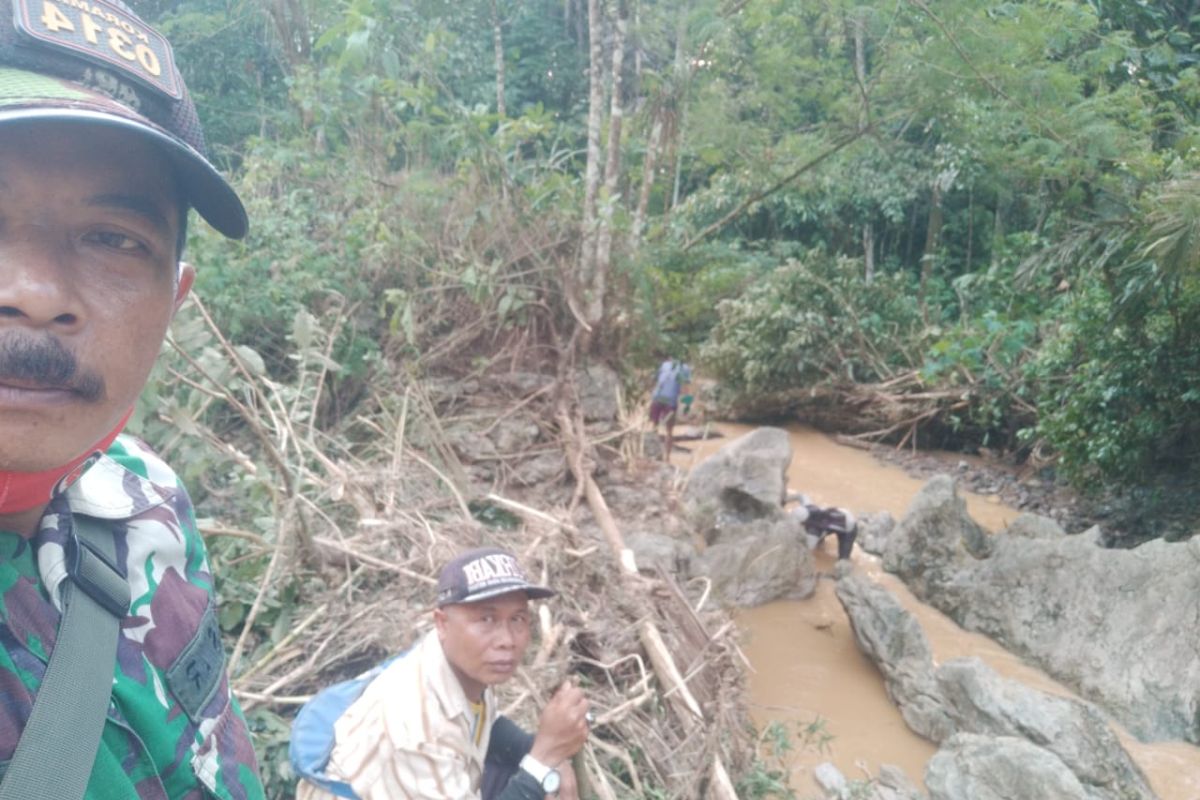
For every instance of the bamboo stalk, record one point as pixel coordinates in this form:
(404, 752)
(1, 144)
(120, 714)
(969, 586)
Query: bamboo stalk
(680, 697)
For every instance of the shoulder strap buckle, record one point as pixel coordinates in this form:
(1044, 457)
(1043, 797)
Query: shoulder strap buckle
(92, 570)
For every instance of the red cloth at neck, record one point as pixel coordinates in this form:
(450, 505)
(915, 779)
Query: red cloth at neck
(21, 491)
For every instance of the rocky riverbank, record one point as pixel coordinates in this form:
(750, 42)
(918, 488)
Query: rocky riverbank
(1170, 509)
(1100, 619)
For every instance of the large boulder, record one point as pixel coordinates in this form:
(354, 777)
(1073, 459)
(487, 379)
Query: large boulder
(1117, 625)
(757, 567)
(967, 696)
(892, 638)
(980, 701)
(935, 539)
(973, 767)
(653, 551)
(744, 480)
(874, 531)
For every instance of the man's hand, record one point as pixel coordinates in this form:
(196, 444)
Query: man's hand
(562, 727)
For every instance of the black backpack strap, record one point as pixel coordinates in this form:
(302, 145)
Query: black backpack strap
(57, 749)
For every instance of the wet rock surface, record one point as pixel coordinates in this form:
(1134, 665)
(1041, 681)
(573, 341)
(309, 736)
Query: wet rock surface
(890, 784)
(770, 563)
(1067, 743)
(999, 768)
(745, 480)
(756, 553)
(1116, 625)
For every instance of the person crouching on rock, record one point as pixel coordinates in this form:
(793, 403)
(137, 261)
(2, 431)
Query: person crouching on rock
(820, 522)
(428, 726)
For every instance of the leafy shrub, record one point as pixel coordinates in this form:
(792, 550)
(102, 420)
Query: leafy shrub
(1121, 395)
(814, 320)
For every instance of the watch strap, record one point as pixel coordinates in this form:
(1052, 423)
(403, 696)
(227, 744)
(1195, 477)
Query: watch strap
(537, 769)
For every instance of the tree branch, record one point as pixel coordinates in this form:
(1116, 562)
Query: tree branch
(839, 145)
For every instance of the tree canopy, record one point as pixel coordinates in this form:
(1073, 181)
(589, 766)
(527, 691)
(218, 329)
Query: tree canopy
(995, 199)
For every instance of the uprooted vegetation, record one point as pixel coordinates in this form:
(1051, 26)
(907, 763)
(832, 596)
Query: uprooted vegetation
(334, 567)
(331, 487)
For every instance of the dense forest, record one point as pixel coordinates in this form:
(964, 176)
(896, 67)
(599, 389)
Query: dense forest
(978, 219)
(961, 224)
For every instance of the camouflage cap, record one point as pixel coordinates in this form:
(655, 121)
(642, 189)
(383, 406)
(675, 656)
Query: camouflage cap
(95, 62)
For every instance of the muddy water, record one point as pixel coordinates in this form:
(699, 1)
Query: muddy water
(807, 666)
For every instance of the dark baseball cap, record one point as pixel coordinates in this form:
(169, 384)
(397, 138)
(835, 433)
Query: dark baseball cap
(482, 573)
(94, 62)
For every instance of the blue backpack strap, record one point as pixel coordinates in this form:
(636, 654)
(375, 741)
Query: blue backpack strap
(313, 736)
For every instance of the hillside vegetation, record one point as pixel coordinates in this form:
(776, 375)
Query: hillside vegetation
(965, 224)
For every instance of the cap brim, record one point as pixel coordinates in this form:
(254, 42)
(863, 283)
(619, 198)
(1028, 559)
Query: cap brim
(531, 591)
(203, 187)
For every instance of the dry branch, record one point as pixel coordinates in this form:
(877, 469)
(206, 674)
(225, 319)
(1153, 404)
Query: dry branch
(687, 709)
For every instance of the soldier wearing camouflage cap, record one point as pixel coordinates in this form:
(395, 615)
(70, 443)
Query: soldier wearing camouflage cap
(101, 157)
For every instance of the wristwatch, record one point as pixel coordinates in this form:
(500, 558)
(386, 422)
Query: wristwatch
(548, 777)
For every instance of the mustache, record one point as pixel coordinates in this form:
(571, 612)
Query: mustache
(48, 364)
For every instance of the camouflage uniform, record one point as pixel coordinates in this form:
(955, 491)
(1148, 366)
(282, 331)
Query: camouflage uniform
(173, 728)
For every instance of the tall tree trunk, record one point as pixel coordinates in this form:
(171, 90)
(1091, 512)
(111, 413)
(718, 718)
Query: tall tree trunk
(649, 166)
(498, 47)
(612, 172)
(933, 233)
(591, 179)
(637, 48)
(291, 25)
(864, 118)
(868, 237)
(681, 73)
(970, 225)
(860, 66)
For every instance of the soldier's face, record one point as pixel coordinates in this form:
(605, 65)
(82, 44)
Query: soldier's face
(485, 641)
(88, 284)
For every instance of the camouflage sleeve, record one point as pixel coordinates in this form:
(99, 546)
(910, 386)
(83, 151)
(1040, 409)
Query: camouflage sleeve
(174, 614)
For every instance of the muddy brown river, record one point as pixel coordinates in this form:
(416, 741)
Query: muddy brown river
(807, 667)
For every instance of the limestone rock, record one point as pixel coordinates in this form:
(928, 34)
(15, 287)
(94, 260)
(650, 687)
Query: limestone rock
(874, 530)
(598, 385)
(974, 767)
(935, 537)
(1034, 526)
(744, 480)
(652, 550)
(1117, 625)
(980, 701)
(831, 780)
(893, 784)
(725, 530)
(759, 567)
(892, 638)
(967, 696)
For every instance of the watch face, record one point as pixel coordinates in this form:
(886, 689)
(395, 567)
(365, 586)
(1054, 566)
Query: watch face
(551, 782)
